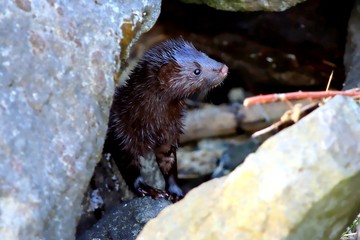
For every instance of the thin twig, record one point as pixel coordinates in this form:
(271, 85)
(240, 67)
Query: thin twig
(329, 81)
(355, 93)
(349, 234)
(289, 118)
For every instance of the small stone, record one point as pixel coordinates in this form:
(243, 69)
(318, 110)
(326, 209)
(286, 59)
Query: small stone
(254, 5)
(126, 220)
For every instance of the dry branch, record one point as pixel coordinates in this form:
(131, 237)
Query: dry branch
(289, 118)
(299, 95)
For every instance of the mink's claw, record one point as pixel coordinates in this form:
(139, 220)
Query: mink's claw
(175, 192)
(175, 198)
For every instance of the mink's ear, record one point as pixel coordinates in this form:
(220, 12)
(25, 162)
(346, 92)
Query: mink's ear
(166, 72)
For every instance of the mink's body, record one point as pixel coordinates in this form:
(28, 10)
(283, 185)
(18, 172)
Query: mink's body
(146, 115)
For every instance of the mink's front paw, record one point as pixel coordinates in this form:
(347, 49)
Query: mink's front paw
(145, 190)
(176, 194)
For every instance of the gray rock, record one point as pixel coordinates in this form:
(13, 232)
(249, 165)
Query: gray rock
(126, 220)
(352, 51)
(57, 65)
(234, 156)
(302, 183)
(239, 5)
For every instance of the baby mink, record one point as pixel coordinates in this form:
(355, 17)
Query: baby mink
(147, 112)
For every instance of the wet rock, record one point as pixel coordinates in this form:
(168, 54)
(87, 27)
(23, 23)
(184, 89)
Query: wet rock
(352, 53)
(300, 184)
(237, 95)
(57, 65)
(212, 121)
(126, 220)
(108, 189)
(259, 5)
(200, 159)
(197, 162)
(234, 156)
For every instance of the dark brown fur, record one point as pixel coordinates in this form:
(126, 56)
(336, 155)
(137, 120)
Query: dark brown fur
(146, 115)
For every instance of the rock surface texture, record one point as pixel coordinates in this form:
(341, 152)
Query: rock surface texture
(258, 5)
(352, 53)
(57, 66)
(301, 184)
(126, 220)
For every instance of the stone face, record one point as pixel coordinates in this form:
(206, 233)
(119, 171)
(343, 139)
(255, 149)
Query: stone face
(240, 5)
(352, 53)
(57, 66)
(301, 184)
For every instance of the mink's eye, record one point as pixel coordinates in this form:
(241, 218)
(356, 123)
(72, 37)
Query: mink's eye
(197, 71)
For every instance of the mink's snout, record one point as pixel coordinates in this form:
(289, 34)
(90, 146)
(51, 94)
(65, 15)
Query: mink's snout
(223, 70)
(217, 76)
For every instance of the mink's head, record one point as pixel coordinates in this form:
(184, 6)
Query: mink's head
(182, 70)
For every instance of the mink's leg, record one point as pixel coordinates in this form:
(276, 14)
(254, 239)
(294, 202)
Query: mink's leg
(166, 159)
(129, 167)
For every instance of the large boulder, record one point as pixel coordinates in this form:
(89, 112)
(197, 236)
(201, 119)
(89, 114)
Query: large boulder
(302, 183)
(57, 65)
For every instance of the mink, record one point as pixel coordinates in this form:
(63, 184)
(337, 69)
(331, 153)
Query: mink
(147, 111)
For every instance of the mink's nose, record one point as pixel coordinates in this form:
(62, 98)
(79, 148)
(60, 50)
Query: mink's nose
(224, 70)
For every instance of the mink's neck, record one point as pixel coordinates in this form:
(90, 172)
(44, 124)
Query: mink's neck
(145, 96)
